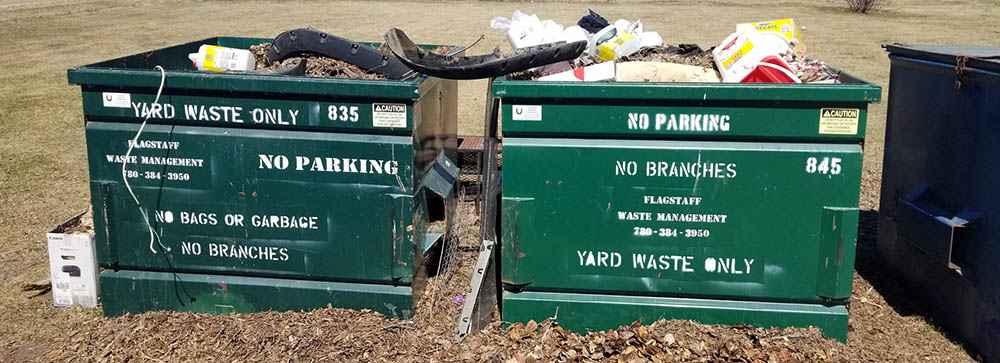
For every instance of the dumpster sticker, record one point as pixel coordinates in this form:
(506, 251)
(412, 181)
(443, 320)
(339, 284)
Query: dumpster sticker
(526, 112)
(388, 115)
(838, 121)
(117, 100)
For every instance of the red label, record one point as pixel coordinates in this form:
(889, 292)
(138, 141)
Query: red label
(731, 43)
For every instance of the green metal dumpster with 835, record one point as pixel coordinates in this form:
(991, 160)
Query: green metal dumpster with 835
(264, 192)
(720, 203)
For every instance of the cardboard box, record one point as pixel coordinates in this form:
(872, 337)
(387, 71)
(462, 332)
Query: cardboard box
(784, 27)
(73, 264)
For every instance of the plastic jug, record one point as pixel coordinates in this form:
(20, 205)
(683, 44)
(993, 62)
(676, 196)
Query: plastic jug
(219, 59)
(613, 43)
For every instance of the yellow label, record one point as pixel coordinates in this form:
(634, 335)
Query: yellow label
(623, 37)
(607, 50)
(736, 56)
(605, 53)
(209, 61)
(839, 121)
(784, 27)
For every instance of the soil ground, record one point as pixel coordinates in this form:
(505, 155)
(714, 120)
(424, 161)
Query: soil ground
(43, 167)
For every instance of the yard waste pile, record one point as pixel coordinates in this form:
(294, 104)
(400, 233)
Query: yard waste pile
(306, 52)
(315, 65)
(543, 50)
(758, 52)
(339, 335)
(363, 335)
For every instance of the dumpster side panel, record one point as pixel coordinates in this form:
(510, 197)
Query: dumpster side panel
(581, 313)
(277, 203)
(223, 294)
(939, 164)
(680, 218)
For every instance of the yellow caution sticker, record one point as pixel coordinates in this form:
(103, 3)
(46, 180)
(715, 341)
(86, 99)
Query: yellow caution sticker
(839, 121)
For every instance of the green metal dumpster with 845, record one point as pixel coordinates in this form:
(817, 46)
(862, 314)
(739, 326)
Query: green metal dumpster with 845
(264, 192)
(720, 203)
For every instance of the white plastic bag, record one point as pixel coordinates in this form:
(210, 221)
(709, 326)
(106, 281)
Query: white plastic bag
(651, 39)
(527, 30)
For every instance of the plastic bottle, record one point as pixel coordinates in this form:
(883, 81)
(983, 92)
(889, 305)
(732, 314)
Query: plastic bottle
(613, 43)
(219, 59)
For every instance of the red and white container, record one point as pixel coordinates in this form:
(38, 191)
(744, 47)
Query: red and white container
(751, 56)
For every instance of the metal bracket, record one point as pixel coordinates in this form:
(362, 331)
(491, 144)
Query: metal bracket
(478, 307)
(960, 69)
(443, 176)
(106, 221)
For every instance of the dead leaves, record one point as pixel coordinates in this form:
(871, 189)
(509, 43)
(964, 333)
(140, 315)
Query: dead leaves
(670, 341)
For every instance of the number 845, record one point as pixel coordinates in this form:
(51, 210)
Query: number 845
(825, 165)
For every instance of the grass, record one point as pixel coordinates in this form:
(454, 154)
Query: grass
(43, 169)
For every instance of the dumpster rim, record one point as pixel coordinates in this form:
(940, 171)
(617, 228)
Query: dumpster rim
(858, 91)
(88, 76)
(100, 75)
(943, 54)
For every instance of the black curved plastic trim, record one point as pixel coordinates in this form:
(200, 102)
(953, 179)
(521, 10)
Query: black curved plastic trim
(298, 42)
(479, 66)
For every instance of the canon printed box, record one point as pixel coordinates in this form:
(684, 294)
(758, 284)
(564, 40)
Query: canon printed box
(73, 264)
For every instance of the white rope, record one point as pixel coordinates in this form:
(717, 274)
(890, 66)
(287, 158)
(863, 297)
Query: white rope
(153, 236)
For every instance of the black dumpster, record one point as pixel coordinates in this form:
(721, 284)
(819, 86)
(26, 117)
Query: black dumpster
(938, 216)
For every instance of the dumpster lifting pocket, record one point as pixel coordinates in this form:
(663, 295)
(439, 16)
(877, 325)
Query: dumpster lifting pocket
(402, 244)
(511, 252)
(929, 227)
(838, 237)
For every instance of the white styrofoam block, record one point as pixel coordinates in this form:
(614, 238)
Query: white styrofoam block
(597, 72)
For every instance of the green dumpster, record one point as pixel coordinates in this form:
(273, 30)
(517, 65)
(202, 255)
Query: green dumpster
(720, 203)
(264, 192)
